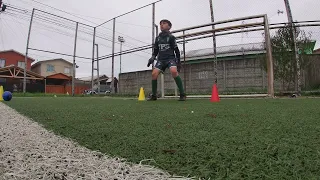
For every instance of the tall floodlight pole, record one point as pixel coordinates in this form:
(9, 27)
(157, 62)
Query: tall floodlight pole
(293, 32)
(121, 40)
(214, 43)
(26, 57)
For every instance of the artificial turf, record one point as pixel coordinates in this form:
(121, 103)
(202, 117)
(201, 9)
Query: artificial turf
(232, 139)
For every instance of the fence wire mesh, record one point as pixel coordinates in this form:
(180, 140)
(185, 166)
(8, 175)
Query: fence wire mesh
(240, 52)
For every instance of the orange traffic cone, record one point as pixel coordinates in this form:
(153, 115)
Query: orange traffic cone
(215, 94)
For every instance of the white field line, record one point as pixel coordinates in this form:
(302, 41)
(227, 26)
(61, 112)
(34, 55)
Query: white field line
(28, 151)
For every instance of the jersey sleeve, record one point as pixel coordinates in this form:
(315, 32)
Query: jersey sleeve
(156, 47)
(174, 46)
(173, 42)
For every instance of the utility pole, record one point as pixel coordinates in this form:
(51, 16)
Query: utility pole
(214, 43)
(293, 32)
(74, 59)
(26, 57)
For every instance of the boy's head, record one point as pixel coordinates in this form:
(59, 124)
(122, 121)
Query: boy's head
(165, 25)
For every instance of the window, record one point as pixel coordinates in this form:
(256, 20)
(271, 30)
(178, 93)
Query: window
(2, 63)
(50, 68)
(67, 70)
(21, 64)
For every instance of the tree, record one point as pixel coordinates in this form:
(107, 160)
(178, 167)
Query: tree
(283, 51)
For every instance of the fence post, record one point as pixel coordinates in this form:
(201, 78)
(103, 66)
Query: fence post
(269, 57)
(184, 62)
(92, 72)
(113, 48)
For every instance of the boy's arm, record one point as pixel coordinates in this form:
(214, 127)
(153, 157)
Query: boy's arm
(155, 52)
(176, 51)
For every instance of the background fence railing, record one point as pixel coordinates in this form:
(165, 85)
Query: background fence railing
(122, 45)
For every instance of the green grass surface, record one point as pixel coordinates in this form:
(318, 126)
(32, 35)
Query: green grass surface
(233, 139)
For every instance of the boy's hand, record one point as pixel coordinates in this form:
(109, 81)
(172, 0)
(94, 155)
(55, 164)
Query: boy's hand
(151, 60)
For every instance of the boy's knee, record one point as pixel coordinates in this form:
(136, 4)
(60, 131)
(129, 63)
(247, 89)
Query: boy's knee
(155, 74)
(174, 72)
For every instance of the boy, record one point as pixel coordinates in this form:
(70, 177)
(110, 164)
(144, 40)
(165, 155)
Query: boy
(168, 53)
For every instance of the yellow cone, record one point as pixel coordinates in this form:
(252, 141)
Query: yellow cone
(1, 93)
(142, 97)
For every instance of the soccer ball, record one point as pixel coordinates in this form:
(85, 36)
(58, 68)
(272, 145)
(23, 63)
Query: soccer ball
(7, 96)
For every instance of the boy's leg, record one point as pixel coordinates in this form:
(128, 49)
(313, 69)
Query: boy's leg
(155, 74)
(177, 78)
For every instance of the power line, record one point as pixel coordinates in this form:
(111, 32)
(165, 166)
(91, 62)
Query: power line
(64, 11)
(54, 21)
(64, 24)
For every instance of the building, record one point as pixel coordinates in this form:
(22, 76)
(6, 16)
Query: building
(240, 69)
(104, 82)
(52, 67)
(58, 74)
(14, 58)
(12, 64)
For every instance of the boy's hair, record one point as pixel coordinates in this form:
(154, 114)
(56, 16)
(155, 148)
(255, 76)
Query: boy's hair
(166, 21)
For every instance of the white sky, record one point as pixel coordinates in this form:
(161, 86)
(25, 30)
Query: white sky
(135, 27)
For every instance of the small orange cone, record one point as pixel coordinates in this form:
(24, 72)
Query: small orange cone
(215, 94)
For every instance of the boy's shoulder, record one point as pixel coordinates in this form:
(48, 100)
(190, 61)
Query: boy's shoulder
(171, 35)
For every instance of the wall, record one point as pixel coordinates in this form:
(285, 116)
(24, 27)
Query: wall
(60, 89)
(12, 57)
(312, 73)
(242, 74)
(59, 66)
(237, 74)
(36, 69)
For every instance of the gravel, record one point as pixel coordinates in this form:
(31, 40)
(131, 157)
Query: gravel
(29, 151)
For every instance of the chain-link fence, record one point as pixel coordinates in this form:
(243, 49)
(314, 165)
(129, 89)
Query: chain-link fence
(285, 62)
(240, 45)
(123, 44)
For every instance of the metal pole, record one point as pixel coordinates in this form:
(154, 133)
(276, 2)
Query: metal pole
(113, 44)
(74, 58)
(214, 44)
(184, 62)
(98, 73)
(45, 86)
(26, 57)
(92, 72)
(153, 30)
(120, 56)
(269, 57)
(293, 31)
(120, 66)
(162, 75)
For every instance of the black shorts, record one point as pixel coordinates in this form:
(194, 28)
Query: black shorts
(163, 65)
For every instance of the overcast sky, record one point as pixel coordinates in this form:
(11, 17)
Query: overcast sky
(47, 33)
